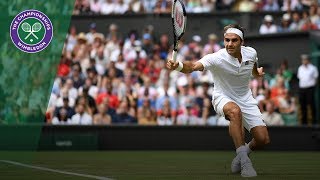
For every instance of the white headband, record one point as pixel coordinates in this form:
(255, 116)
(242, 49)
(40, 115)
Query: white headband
(234, 31)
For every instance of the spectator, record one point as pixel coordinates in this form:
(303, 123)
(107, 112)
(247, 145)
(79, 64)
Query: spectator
(162, 7)
(278, 91)
(259, 5)
(81, 117)
(291, 5)
(120, 7)
(258, 86)
(146, 114)
(161, 100)
(247, 6)
(306, 4)
(286, 72)
(137, 6)
(308, 25)
(285, 24)
(64, 67)
(81, 7)
(89, 99)
(71, 40)
(77, 76)
(195, 47)
(288, 110)
(92, 81)
(194, 6)
(224, 5)
(101, 117)
(307, 75)
(149, 5)
(212, 45)
(188, 118)
(122, 116)
(107, 7)
(209, 115)
(69, 110)
(61, 117)
(110, 111)
(107, 92)
(271, 5)
(164, 46)
(272, 118)
(68, 86)
(91, 34)
(81, 51)
(97, 45)
(304, 18)
(296, 23)
(268, 27)
(165, 117)
(147, 90)
(265, 100)
(95, 6)
(207, 6)
(147, 44)
(314, 17)
(151, 71)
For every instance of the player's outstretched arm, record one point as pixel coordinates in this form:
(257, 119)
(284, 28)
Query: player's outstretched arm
(257, 72)
(185, 67)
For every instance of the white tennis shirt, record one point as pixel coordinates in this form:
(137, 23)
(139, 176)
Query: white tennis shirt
(307, 75)
(230, 77)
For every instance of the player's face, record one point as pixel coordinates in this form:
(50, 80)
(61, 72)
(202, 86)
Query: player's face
(232, 43)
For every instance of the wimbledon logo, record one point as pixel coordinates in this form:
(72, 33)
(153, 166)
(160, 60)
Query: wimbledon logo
(31, 31)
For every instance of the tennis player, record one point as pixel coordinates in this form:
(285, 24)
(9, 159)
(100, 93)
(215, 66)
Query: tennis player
(232, 98)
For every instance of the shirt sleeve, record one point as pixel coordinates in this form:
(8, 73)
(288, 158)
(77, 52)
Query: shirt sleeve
(209, 61)
(253, 54)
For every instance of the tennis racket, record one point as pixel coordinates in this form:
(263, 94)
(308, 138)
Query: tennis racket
(179, 22)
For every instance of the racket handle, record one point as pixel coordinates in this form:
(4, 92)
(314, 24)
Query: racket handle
(174, 56)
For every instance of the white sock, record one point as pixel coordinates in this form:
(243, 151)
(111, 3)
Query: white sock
(248, 150)
(241, 149)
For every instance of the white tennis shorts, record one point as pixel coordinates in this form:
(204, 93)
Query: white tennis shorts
(251, 115)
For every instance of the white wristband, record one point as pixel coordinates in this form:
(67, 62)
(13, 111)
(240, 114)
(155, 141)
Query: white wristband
(180, 67)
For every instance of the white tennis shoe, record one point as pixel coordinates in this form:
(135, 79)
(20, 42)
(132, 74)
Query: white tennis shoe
(236, 165)
(247, 169)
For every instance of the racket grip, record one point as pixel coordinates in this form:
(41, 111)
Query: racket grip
(174, 56)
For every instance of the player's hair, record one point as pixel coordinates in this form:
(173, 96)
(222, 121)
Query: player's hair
(233, 26)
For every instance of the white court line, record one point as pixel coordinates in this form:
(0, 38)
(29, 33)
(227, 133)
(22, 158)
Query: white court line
(54, 170)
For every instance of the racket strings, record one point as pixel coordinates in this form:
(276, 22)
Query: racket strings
(178, 18)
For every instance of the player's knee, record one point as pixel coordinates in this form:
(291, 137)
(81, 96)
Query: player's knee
(234, 113)
(267, 140)
(263, 140)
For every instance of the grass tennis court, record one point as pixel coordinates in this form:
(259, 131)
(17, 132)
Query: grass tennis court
(158, 165)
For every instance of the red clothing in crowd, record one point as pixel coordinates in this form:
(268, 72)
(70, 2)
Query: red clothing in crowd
(113, 99)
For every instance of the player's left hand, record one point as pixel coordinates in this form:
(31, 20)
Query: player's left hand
(260, 72)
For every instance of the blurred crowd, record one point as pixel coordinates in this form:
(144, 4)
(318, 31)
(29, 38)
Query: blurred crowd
(105, 7)
(298, 15)
(292, 22)
(111, 78)
(117, 77)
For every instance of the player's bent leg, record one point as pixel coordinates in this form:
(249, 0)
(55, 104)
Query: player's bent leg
(260, 137)
(232, 113)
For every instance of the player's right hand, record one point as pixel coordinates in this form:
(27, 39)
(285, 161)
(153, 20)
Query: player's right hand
(171, 65)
